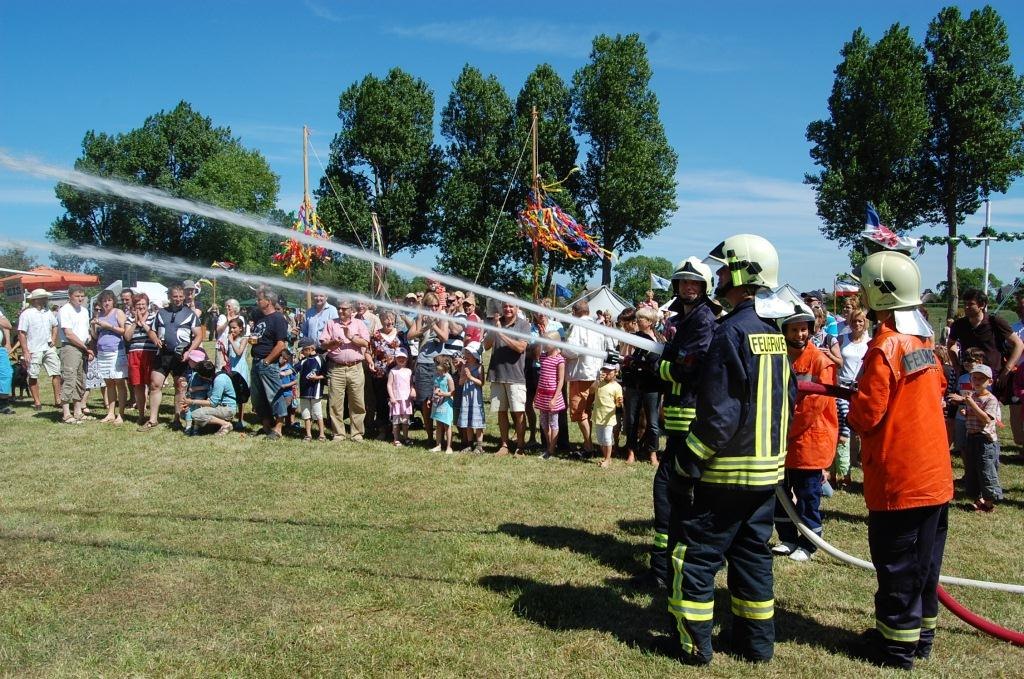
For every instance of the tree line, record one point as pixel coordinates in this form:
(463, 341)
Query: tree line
(459, 193)
(925, 131)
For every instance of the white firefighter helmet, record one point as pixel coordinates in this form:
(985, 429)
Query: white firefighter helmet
(801, 312)
(692, 269)
(751, 259)
(890, 280)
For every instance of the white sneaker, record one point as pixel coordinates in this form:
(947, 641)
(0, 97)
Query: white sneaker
(800, 554)
(783, 548)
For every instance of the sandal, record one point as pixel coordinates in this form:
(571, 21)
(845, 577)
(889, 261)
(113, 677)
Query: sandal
(223, 431)
(307, 438)
(321, 438)
(147, 426)
(71, 420)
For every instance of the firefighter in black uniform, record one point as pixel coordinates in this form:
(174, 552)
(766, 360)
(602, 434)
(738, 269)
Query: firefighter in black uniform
(679, 369)
(735, 451)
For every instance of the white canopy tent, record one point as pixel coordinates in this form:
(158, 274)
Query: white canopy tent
(157, 292)
(600, 299)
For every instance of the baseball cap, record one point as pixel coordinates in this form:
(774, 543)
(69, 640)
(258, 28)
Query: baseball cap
(197, 355)
(400, 351)
(610, 366)
(983, 369)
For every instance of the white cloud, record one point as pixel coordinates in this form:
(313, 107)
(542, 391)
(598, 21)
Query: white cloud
(322, 11)
(492, 35)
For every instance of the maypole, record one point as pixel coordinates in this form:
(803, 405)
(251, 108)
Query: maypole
(536, 192)
(546, 225)
(305, 202)
(294, 256)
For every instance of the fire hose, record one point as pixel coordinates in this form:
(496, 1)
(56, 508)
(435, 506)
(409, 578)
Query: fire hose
(954, 606)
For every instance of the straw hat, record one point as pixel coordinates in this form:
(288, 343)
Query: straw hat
(39, 293)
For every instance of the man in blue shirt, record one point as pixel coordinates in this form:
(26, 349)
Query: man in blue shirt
(318, 316)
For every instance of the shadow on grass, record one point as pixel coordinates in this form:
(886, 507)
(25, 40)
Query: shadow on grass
(609, 550)
(829, 514)
(261, 520)
(607, 609)
(138, 548)
(593, 607)
(644, 527)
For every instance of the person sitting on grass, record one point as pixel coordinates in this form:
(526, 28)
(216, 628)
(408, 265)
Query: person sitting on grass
(606, 395)
(442, 409)
(311, 388)
(981, 458)
(197, 387)
(219, 407)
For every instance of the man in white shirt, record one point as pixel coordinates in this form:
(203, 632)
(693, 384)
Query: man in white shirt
(582, 370)
(75, 354)
(37, 334)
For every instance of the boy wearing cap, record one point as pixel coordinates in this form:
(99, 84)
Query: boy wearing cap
(981, 459)
(311, 388)
(37, 333)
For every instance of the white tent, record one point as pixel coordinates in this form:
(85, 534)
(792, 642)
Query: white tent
(156, 291)
(601, 299)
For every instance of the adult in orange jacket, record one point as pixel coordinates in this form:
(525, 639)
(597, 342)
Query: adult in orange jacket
(908, 478)
(811, 440)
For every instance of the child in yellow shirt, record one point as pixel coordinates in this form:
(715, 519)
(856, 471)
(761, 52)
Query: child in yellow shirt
(607, 395)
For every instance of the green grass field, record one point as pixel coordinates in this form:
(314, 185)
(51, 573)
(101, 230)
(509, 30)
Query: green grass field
(128, 553)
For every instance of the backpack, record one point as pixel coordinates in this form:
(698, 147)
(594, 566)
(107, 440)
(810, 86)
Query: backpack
(242, 392)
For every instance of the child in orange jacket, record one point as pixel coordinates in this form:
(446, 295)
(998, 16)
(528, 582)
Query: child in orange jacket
(811, 440)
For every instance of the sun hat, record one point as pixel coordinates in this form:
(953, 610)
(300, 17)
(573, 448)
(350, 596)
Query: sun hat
(39, 293)
(197, 355)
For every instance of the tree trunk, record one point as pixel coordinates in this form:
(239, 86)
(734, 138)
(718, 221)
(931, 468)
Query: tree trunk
(606, 264)
(548, 275)
(952, 292)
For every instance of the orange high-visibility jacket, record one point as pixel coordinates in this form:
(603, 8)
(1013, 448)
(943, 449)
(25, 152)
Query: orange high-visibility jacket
(897, 410)
(814, 429)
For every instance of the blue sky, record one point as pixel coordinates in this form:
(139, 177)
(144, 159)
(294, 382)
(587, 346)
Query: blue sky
(737, 82)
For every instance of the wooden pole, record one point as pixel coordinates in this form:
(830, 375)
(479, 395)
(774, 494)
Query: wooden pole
(308, 206)
(378, 273)
(536, 196)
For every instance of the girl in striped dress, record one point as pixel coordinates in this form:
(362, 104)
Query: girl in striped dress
(548, 399)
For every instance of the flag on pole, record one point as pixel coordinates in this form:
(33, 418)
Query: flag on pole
(659, 283)
(844, 289)
(562, 291)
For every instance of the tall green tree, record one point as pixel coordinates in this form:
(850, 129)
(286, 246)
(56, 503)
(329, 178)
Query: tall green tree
(969, 278)
(16, 258)
(183, 153)
(558, 151)
(871, 146)
(628, 184)
(633, 277)
(477, 236)
(976, 100)
(383, 160)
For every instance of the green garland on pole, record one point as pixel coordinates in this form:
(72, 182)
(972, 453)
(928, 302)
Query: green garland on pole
(973, 241)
